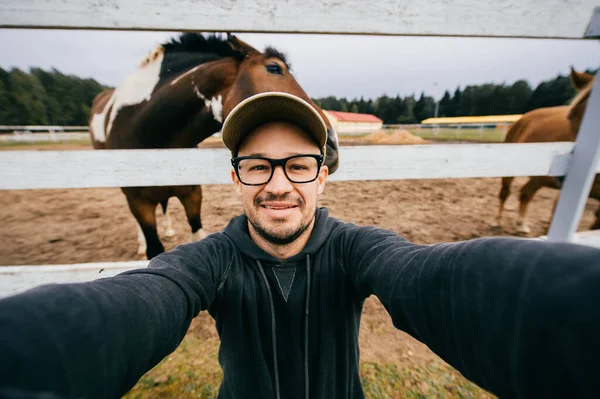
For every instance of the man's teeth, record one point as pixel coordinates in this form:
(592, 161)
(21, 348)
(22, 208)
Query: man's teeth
(278, 207)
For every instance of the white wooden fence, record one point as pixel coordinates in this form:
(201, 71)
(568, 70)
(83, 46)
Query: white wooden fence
(25, 134)
(43, 137)
(479, 18)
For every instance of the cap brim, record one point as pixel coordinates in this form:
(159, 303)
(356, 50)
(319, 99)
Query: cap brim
(271, 107)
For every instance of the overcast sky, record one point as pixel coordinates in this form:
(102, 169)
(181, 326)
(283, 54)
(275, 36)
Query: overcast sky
(350, 66)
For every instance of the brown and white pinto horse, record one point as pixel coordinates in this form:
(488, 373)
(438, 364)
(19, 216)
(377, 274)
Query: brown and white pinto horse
(179, 96)
(548, 125)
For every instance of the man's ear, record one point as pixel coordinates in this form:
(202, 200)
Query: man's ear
(236, 182)
(323, 174)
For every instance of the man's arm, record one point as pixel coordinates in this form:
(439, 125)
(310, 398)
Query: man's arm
(96, 339)
(519, 317)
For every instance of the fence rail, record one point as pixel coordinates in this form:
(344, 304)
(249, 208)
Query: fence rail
(127, 168)
(485, 18)
(14, 279)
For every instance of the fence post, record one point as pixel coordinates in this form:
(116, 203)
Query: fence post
(581, 172)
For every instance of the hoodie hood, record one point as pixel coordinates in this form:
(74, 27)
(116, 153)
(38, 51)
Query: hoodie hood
(237, 230)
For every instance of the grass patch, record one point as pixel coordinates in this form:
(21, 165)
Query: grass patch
(25, 144)
(192, 371)
(436, 380)
(487, 135)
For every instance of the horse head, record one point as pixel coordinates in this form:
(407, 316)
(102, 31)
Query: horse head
(580, 80)
(259, 72)
(583, 82)
(183, 90)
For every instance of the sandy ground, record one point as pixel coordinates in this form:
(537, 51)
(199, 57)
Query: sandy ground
(87, 225)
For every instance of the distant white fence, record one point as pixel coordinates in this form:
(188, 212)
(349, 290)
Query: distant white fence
(478, 18)
(39, 133)
(43, 137)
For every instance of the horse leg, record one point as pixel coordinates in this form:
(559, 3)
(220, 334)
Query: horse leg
(144, 213)
(503, 195)
(141, 241)
(527, 193)
(596, 224)
(553, 210)
(192, 203)
(595, 194)
(167, 223)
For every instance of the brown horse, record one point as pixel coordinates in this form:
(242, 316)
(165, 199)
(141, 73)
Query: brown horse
(177, 97)
(542, 125)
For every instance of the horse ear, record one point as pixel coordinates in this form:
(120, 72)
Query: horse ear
(580, 79)
(241, 46)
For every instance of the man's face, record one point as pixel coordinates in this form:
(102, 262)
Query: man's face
(280, 211)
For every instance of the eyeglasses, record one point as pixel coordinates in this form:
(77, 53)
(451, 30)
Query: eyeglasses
(256, 171)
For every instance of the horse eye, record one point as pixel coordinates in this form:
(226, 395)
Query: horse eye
(275, 68)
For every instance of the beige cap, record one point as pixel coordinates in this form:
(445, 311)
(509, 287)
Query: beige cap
(267, 107)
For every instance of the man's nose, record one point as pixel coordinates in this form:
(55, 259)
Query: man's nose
(279, 183)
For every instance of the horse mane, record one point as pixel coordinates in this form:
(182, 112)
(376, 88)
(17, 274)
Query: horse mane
(191, 42)
(191, 49)
(273, 52)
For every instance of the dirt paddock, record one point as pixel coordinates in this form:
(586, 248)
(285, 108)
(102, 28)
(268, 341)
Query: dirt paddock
(93, 225)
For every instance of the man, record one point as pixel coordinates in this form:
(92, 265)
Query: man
(286, 283)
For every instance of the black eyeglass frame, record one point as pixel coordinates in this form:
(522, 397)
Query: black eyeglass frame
(235, 162)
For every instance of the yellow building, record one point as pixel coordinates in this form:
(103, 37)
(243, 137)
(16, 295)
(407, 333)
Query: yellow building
(476, 120)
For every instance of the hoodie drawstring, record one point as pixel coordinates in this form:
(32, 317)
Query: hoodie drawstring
(273, 330)
(306, 385)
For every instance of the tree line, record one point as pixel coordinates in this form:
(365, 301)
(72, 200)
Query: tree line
(41, 97)
(474, 100)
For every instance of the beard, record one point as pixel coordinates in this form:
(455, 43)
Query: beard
(285, 236)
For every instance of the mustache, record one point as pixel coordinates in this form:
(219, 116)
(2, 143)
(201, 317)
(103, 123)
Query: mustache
(279, 198)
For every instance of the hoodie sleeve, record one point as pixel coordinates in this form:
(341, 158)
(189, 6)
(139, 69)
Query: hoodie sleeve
(518, 317)
(96, 339)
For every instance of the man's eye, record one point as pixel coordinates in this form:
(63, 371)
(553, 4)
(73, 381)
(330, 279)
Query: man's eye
(299, 167)
(258, 168)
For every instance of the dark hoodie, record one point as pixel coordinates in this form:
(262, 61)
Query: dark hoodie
(518, 317)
